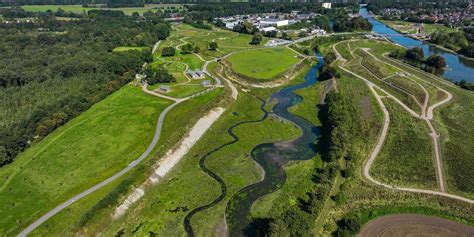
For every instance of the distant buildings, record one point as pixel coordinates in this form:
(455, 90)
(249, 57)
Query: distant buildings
(326, 5)
(273, 22)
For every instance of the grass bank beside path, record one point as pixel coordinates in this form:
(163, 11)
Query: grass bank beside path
(265, 63)
(407, 156)
(88, 216)
(364, 200)
(85, 151)
(162, 210)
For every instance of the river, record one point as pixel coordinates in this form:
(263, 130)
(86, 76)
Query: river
(273, 156)
(459, 68)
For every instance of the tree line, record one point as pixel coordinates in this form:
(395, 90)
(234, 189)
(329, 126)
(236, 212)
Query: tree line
(53, 70)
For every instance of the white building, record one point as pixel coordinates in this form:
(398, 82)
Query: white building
(198, 74)
(273, 22)
(268, 29)
(327, 5)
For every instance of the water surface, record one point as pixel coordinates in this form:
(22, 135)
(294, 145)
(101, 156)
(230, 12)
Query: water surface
(459, 68)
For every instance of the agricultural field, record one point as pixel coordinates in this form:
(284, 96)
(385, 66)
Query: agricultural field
(87, 150)
(81, 9)
(265, 64)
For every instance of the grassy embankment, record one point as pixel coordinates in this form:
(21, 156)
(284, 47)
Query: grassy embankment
(453, 122)
(364, 200)
(188, 187)
(85, 151)
(90, 214)
(406, 27)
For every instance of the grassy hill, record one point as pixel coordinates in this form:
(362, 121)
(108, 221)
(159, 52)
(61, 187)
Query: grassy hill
(85, 151)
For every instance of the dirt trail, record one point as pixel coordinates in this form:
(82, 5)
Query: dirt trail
(383, 136)
(427, 115)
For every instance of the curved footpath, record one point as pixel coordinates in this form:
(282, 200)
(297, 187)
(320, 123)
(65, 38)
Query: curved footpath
(132, 165)
(382, 137)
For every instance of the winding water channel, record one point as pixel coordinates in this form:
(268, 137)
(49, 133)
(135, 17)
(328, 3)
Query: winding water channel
(272, 156)
(459, 68)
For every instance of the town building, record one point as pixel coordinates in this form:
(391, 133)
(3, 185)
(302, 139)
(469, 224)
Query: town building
(327, 5)
(273, 22)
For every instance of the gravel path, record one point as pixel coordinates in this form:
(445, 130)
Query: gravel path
(382, 137)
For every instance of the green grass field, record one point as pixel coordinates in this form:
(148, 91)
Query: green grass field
(87, 150)
(232, 163)
(81, 9)
(407, 157)
(175, 127)
(127, 48)
(266, 63)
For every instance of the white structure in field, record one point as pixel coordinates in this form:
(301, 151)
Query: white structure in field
(198, 74)
(273, 22)
(327, 5)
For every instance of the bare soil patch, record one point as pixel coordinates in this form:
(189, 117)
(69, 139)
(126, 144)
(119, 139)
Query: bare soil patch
(414, 225)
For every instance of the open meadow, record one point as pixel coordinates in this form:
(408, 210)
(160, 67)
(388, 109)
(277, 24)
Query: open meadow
(87, 150)
(265, 63)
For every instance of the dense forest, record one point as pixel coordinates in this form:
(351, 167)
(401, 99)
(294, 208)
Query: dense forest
(53, 70)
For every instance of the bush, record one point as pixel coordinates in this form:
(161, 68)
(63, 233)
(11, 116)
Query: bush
(213, 46)
(436, 61)
(256, 39)
(415, 54)
(168, 52)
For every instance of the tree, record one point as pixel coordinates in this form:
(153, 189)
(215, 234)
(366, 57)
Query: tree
(436, 61)
(257, 38)
(326, 72)
(187, 49)
(168, 51)
(415, 53)
(213, 46)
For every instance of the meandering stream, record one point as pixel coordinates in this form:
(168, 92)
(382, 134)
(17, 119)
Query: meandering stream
(270, 156)
(273, 156)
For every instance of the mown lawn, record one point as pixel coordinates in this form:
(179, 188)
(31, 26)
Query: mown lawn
(265, 63)
(85, 151)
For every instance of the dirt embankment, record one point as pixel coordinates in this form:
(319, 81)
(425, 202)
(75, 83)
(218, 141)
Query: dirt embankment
(415, 225)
